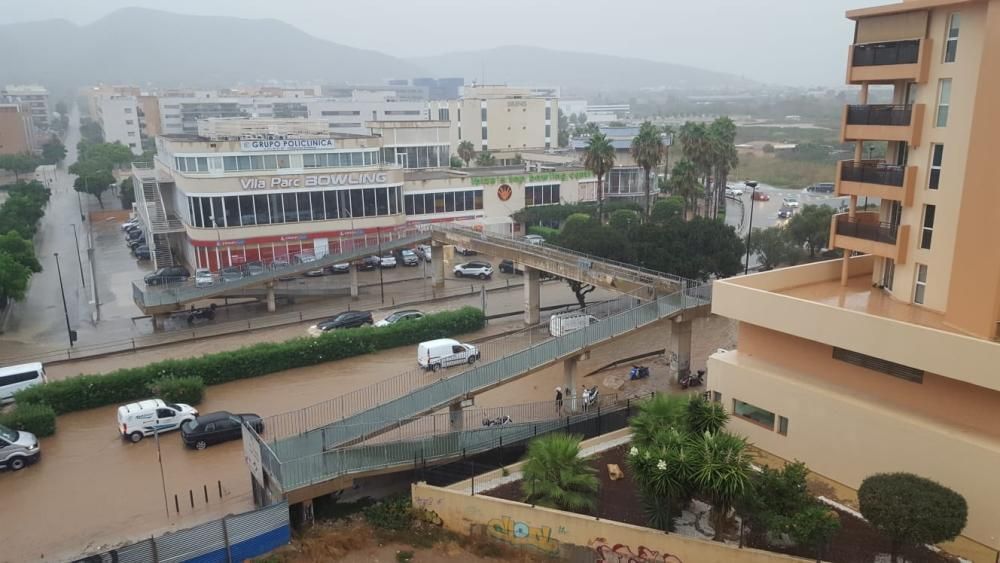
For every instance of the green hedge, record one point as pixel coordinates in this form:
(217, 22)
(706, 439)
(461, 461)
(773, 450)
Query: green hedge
(131, 384)
(40, 420)
(187, 390)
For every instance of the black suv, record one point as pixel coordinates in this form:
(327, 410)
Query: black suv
(217, 427)
(172, 274)
(507, 267)
(349, 319)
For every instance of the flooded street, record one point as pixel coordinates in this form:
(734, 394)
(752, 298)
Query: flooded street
(91, 489)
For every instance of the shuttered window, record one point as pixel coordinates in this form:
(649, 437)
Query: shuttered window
(878, 364)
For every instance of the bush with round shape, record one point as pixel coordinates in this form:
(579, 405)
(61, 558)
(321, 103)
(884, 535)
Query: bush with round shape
(40, 420)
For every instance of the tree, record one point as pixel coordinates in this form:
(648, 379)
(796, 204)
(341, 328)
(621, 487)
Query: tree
(112, 155)
(589, 129)
(564, 122)
(774, 247)
(722, 472)
(586, 234)
(126, 192)
(684, 184)
(647, 150)
(580, 290)
(813, 527)
(91, 131)
(556, 476)
(768, 148)
(656, 414)
(13, 279)
(722, 151)
(668, 210)
(624, 221)
(21, 250)
(485, 159)
(94, 179)
(18, 164)
(668, 134)
(911, 510)
(599, 158)
(455, 162)
(705, 416)
(53, 151)
(664, 474)
(811, 227)
(697, 150)
(466, 152)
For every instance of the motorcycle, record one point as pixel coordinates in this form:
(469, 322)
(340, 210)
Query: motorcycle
(638, 372)
(692, 380)
(589, 396)
(498, 421)
(204, 313)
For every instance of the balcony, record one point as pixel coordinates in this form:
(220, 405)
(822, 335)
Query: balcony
(888, 62)
(872, 178)
(876, 122)
(865, 233)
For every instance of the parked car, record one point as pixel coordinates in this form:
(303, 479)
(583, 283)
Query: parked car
(564, 323)
(203, 277)
(315, 273)
(254, 268)
(409, 257)
(18, 449)
(136, 420)
(369, 263)
(16, 378)
(481, 270)
(218, 427)
(821, 188)
(141, 252)
(789, 201)
(733, 191)
(508, 267)
(785, 212)
(760, 196)
(170, 274)
(534, 239)
(341, 268)
(232, 273)
(399, 316)
(465, 251)
(445, 352)
(424, 251)
(348, 319)
(387, 261)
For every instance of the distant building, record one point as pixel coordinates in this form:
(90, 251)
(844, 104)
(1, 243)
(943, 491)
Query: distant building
(441, 88)
(33, 100)
(570, 107)
(16, 130)
(119, 119)
(607, 113)
(625, 179)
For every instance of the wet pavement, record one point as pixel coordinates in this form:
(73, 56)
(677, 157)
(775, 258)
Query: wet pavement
(91, 489)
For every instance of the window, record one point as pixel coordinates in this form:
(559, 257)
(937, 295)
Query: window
(548, 131)
(944, 98)
(232, 211)
(951, 40)
(920, 287)
(548, 113)
(541, 195)
(443, 202)
(129, 122)
(442, 115)
(129, 110)
(164, 413)
(484, 134)
(754, 414)
(937, 155)
(782, 426)
(131, 133)
(716, 397)
(928, 228)
(330, 113)
(482, 113)
(878, 364)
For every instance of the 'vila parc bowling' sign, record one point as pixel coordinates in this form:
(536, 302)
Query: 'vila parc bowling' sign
(313, 181)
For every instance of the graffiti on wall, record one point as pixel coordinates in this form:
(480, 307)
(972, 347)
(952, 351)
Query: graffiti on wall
(520, 534)
(621, 553)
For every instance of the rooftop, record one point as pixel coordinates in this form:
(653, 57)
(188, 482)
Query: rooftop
(902, 7)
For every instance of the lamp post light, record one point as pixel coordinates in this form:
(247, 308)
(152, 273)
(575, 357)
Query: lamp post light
(750, 227)
(62, 290)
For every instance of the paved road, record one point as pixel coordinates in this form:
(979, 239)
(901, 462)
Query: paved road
(92, 489)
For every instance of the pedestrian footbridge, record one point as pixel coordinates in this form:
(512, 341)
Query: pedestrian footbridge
(303, 452)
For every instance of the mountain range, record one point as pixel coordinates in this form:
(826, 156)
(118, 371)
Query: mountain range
(154, 48)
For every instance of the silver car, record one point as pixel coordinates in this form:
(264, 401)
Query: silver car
(17, 449)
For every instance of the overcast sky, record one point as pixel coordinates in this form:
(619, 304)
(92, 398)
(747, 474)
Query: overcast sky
(796, 42)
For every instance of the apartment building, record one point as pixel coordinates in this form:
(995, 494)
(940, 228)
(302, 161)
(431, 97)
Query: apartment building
(120, 117)
(887, 360)
(16, 130)
(33, 100)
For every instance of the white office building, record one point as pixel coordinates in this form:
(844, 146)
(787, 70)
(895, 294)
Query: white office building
(119, 119)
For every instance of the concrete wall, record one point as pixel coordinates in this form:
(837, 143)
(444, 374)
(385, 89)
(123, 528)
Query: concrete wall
(571, 536)
(848, 436)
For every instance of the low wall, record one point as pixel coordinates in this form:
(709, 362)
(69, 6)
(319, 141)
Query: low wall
(572, 537)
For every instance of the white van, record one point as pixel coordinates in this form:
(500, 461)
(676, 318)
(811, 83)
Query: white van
(445, 352)
(15, 378)
(136, 420)
(564, 323)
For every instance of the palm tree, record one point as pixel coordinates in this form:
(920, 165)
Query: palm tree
(599, 158)
(721, 471)
(658, 413)
(664, 473)
(684, 183)
(466, 152)
(647, 150)
(697, 149)
(722, 148)
(668, 135)
(485, 159)
(556, 476)
(704, 416)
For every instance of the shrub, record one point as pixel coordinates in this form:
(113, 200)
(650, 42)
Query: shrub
(547, 233)
(393, 513)
(556, 476)
(130, 384)
(40, 420)
(188, 390)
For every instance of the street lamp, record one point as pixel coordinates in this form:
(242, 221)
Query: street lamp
(69, 332)
(79, 256)
(753, 195)
(381, 282)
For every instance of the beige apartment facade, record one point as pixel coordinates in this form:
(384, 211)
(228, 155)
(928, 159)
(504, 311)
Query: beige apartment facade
(16, 130)
(887, 360)
(501, 119)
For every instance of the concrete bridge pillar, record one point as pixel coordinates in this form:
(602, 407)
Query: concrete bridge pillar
(680, 348)
(455, 420)
(531, 296)
(305, 517)
(570, 394)
(437, 263)
(354, 281)
(270, 297)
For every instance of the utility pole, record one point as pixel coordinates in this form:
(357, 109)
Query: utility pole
(750, 229)
(62, 291)
(163, 480)
(381, 281)
(79, 256)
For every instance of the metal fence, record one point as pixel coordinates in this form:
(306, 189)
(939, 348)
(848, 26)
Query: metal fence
(231, 539)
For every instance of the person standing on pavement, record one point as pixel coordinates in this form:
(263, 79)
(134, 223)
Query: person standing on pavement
(559, 401)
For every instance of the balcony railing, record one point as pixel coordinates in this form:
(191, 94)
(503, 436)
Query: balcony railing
(873, 173)
(878, 232)
(893, 115)
(890, 53)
